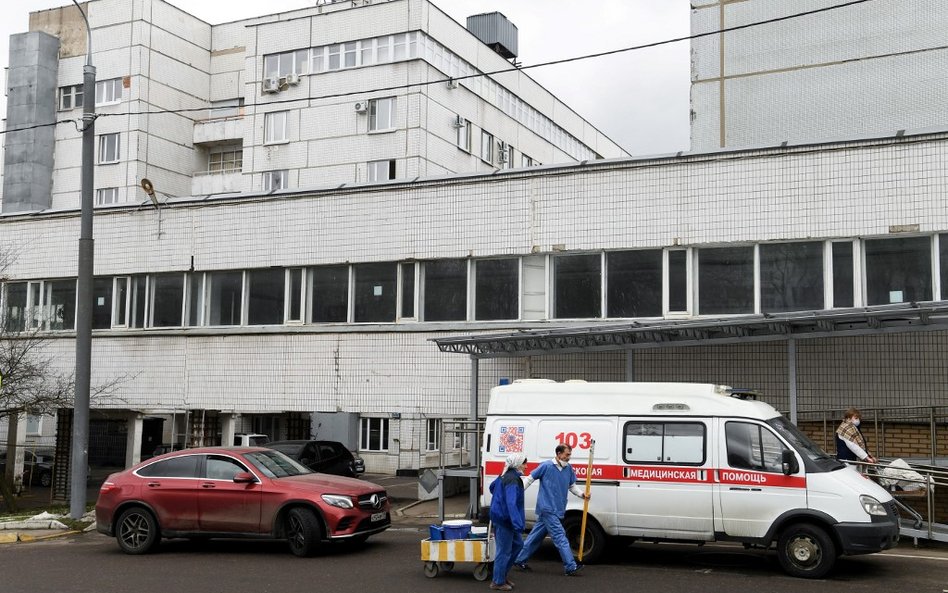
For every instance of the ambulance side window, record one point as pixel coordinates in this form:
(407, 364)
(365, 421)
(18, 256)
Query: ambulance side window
(754, 447)
(677, 443)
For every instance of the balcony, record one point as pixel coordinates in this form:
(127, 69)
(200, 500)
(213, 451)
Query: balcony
(218, 130)
(218, 182)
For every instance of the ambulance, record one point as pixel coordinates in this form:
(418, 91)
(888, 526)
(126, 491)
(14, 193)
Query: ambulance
(686, 462)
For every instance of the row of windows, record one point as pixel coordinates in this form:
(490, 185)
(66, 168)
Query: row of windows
(107, 92)
(406, 46)
(770, 277)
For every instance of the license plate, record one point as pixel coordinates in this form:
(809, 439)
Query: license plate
(377, 517)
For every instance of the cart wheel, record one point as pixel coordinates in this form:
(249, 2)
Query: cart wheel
(446, 565)
(482, 571)
(431, 569)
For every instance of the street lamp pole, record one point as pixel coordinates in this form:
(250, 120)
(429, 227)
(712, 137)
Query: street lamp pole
(80, 421)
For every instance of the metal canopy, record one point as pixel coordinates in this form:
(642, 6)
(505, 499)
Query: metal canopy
(899, 318)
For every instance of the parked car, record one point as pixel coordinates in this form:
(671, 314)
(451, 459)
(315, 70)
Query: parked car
(37, 469)
(245, 492)
(328, 457)
(250, 440)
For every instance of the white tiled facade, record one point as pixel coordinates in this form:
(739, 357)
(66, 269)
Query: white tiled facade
(868, 69)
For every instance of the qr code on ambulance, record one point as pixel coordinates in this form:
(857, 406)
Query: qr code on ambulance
(511, 439)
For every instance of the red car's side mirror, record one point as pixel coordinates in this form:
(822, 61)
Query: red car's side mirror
(244, 478)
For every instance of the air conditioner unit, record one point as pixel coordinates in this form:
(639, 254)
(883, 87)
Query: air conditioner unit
(292, 79)
(452, 84)
(271, 85)
(362, 106)
(459, 122)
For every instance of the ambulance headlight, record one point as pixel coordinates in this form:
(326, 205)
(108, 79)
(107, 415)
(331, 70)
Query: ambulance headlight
(872, 506)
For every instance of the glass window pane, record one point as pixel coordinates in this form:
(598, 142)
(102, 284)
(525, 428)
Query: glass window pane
(496, 287)
(330, 294)
(445, 290)
(101, 303)
(843, 274)
(678, 280)
(634, 280)
(265, 297)
(296, 295)
(898, 270)
(168, 291)
(138, 301)
(375, 292)
(791, 277)
(408, 290)
(726, 280)
(225, 297)
(577, 286)
(121, 300)
(943, 259)
(61, 295)
(195, 298)
(15, 314)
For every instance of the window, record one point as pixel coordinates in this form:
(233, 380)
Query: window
(120, 291)
(407, 295)
(225, 161)
(225, 297)
(464, 134)
(374, 292)
(291, 62)
(106, 195)
(226, 108)
(898, 270)
(34, 425)
(219, 467)
(61, 304)
(167, 300)
(754, 447)
(943, 264)
(678, 280)
(726, 280)
(101, 303)
(274, 180)
(265, 296)
(274, 127)
(791, 276)
(677, 443)
(577, 286)
(381, 170)
(195, 314)
(526, 161)
(108, 91)
(634, 283)
(14, 314)
(175, 467)
(506, 156)
(349, 52)
(843, 274)
(382, 114)
(374, 434)
(487, 147)
(70, 97)
(433, 432)
(330, 294)
(108, 148)
(294, 301)
(496, 286)
(445, 290)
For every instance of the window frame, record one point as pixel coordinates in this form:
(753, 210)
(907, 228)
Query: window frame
(104, 151)
(268, 178)
(75, 93)
(487, 147)
(386, 166)
(273, 122)
(101, 192)
(365, 433)
(665, 423)
(112, 90)
(375, 121)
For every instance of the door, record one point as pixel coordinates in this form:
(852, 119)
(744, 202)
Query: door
(170, 486)
(752, 488)
(665, 489)
(227, 506)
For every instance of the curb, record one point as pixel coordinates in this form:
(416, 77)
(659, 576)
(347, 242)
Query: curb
(15, 537)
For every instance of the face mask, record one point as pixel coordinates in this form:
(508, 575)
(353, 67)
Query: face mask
(855, 421)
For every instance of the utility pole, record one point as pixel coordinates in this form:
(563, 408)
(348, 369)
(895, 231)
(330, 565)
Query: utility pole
(80, 420)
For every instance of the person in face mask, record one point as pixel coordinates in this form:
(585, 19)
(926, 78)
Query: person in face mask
(850, 444)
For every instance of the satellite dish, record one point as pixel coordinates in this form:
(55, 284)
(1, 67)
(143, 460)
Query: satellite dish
(150, 190)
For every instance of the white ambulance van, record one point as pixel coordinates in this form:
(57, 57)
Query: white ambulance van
(686, 462)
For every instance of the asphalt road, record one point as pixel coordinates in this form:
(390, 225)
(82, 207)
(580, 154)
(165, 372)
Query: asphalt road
(390, 563)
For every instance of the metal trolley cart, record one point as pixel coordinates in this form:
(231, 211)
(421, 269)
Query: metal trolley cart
(441, 555)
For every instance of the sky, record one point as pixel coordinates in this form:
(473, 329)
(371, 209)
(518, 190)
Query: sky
(639, 99)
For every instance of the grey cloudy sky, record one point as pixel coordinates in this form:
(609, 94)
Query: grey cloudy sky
(639, 99)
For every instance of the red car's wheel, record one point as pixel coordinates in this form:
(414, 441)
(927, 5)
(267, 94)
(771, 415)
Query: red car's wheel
(303, 532)
(136, 531)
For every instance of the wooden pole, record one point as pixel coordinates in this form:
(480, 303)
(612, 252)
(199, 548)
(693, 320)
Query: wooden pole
(582, 529)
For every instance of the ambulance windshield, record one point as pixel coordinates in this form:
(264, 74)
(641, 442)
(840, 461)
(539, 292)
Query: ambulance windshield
(803, 445)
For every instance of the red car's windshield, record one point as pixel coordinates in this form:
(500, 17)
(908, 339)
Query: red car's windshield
(274, 464)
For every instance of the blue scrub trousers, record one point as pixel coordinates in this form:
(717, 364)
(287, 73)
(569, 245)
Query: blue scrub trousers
(548, 523)
(508, 544)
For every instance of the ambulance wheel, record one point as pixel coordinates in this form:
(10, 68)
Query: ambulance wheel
(482, 571)
(806, 551)
(431, 569)
(594, 545)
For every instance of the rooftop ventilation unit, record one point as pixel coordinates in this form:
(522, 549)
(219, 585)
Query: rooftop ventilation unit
(496, 31)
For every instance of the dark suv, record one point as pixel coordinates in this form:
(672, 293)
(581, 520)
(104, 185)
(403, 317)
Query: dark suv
(328, 457)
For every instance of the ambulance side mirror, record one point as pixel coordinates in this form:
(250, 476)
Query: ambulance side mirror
(789, 461)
